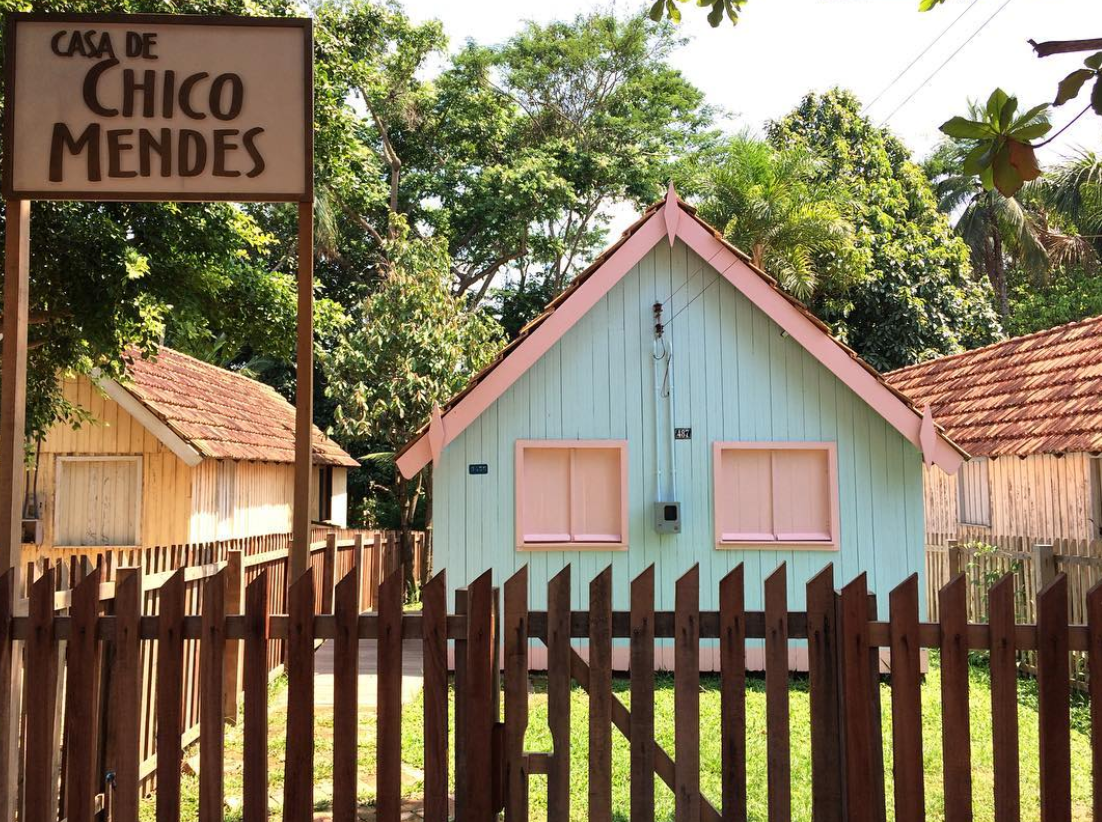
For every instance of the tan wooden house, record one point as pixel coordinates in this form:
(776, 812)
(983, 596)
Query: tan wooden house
(182, 452)
(1029, 411)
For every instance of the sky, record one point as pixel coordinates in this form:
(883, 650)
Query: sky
(784, 48)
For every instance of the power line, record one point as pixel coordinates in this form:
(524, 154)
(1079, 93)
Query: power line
(948, 59)
(921, 54)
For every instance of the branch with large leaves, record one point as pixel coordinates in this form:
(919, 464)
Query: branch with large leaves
(1002, 153)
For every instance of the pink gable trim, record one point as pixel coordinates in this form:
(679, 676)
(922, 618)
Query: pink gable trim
(672, 216)
(524, 357)
(436, 434)
(820, 345)
(752, 285)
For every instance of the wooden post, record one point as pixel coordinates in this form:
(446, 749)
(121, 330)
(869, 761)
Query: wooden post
(13, 396)
(13, 411)
(460, 736)
(1044, 565)
(304, 393)
(328, 572)
(361, 571)
(956, 559)
(235, 604)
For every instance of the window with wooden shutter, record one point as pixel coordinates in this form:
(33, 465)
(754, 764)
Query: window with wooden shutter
(975, 492)
(571, 493)
(97, 501)
(776, 494)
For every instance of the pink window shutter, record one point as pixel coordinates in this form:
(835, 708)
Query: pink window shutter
(802, 509)
(744, 502)
(545, 504)
(597, 495)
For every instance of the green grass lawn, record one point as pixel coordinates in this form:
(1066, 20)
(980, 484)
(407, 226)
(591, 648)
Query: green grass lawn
(538, 739)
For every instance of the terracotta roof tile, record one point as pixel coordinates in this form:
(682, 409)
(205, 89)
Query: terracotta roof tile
(1041, 393)
(221, 414)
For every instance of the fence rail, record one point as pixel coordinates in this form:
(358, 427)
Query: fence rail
(844, 641)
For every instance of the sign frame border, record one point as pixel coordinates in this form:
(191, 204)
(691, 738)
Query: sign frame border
(306, 24)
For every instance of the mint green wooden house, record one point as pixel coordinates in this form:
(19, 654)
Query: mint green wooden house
(673, 407)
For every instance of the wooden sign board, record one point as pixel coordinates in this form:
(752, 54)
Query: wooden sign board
(158, 107)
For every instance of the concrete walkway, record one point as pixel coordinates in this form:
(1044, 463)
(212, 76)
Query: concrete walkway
(412, 673)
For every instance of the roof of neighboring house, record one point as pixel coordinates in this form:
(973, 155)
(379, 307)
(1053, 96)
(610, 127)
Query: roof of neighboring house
(220, 414)
(1041, 393)
(709, 243)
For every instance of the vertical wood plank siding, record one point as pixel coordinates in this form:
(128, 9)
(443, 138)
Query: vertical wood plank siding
(736, 378)
(1043, 494)
(215, 500)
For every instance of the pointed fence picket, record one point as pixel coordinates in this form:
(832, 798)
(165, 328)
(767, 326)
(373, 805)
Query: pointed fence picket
(70, 743)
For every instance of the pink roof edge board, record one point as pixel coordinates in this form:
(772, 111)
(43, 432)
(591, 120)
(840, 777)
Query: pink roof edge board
(674, 219)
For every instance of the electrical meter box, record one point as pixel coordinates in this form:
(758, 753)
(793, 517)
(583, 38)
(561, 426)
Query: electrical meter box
(667, 517)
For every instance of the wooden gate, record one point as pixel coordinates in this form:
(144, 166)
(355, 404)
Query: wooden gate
(98, 774)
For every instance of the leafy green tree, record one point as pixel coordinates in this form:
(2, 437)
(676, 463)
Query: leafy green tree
(774, 204)
(1070, 294)
(513, 154)
(918, 299)
(1073, 190)
(998, 139)
(413, 345)
(112, 278)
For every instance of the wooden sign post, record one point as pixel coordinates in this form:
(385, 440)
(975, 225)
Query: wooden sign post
(153, 107)
(147, 107)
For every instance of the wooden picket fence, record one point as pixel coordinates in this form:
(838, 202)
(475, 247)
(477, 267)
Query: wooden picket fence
(239, 562)
(491, 646)
(1034, 561)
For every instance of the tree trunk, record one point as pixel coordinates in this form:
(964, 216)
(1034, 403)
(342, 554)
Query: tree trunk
(996, 267)
(998, 271)
(407, 507)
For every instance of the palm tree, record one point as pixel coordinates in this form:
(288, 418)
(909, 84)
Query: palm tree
(1033, 230)
(1073, 192)
(993, 226)
(773, 204)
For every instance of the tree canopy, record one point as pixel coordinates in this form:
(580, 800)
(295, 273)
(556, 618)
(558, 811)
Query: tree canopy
(776, 206)
(919, 298)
